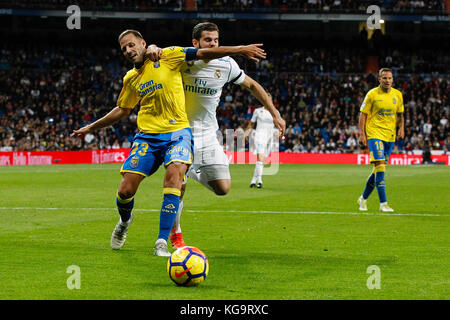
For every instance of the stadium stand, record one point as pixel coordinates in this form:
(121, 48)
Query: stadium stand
(52, 90)
(256, 6)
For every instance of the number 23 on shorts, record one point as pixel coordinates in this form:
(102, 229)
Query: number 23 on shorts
(140, 148)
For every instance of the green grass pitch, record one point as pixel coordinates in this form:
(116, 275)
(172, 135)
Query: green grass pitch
(300, 237)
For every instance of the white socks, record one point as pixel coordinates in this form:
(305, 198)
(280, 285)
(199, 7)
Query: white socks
(177, 226)
(257, 175)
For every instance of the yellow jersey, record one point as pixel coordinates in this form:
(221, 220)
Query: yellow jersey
(158, 86)
(381, 109)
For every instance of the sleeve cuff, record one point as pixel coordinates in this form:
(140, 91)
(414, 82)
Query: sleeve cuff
(191, 54)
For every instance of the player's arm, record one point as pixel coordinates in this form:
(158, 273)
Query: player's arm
(249, 127)
(251, 52)
(153, 53)
(366, 106)
(401, 125)
(362, 128)
(263, 97)
(109, 119)
(400, 119)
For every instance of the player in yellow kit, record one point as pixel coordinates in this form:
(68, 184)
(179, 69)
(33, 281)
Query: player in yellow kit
(164, 135)
(381, 111)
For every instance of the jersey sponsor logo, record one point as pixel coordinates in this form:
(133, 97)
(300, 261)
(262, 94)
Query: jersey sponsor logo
(385, 112)
(176, 149)
(170, 206)
(148, 87)
(200, 90)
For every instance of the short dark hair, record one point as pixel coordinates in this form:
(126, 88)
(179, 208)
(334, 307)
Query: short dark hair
(203, 26)
(128, 31)
(380, 73)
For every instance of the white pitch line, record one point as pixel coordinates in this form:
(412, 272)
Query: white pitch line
(244, 211)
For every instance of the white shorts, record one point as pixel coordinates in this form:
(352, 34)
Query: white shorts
(210, 158)
(263, 144)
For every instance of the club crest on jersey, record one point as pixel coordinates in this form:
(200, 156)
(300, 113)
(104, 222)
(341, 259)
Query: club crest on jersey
(394, 101)
(156, 64)
(134, 162)
(217, 74)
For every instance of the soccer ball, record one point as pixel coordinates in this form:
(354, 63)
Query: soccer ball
(188, 266)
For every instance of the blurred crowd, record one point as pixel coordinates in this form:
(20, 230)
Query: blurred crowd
(50, 91)
(293, 6)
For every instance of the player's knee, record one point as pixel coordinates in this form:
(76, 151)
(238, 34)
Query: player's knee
(378, 163)
(221, 188)
(174, 174)
(183, 189)
(129, 185)
(221, 192)
(125, 194)
(126, 190)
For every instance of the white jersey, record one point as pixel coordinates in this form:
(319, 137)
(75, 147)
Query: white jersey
(263, 139)
(264, 122)
(203, 83)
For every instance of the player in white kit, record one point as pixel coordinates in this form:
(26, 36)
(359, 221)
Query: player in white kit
(203, 82)
(263, 140)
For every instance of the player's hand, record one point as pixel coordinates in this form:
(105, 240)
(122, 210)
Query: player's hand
(363, 140)
(280, 124)
(401, 133)
(80, 132)
(253, 52)
(153, 53)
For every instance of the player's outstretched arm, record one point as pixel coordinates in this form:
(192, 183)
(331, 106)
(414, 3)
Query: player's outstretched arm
(112, 117)
(259, 93)
(251, 52)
